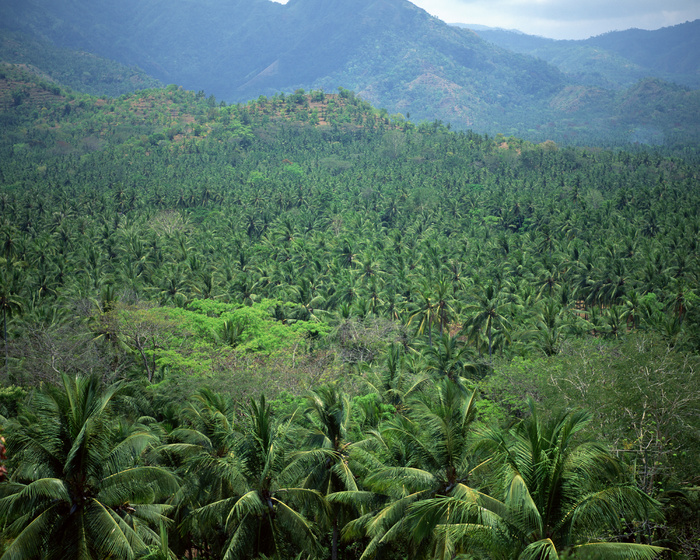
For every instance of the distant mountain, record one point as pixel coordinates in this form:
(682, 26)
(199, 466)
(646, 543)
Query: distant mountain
(617, 59)
(391, 51)
(394, 54)
(80, 70)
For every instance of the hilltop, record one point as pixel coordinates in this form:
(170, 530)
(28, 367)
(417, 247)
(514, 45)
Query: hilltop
(393, 54)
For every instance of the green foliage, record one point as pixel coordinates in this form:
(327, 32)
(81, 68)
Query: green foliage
(259, 331)
(11, 399)
(612, 60)
(78, 70)
(419, 282)
(549, 492)
(76, 487)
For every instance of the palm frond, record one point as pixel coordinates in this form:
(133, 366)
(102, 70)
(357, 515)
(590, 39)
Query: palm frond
(247, 505)
(540, 550)
(382, 539)
(607, 505)
(468, 537)
(357, 498)
(241, 539)
(295, 523)
(30, 541)
(139, 484)
(307, 498)
(343, 471)
(27, 496)
(127, 451)
(522, 507)
(108, 536)
(401, 481)
(618, 551)
(192, 437)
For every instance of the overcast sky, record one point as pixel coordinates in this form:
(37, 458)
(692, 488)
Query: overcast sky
(563, 19)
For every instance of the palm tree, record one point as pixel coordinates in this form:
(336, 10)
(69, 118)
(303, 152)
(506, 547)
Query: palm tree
(426, 314)
(202, 448)
(448, 359)
(683, 300)
(487, 314)
(445, 309)
(550, 491)
(78, 489)
(633, 309)
(391, 380)
(551, 324)
(327, 459)
(264, 514)
(549, 278)
(412, 458)
(306, 293)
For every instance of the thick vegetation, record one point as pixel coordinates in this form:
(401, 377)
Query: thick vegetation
(82, 71)
(466, 345)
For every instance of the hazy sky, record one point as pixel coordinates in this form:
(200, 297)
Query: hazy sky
(563, 19)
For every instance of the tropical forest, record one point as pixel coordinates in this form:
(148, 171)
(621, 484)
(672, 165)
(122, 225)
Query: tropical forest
(304, 327)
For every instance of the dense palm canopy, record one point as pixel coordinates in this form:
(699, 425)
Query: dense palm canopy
(549, 492)
(390, 304)
(328, 452)
(266, 513)
(411, 459)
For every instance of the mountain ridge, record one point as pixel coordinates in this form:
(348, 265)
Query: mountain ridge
(391, 52)
(614, 59)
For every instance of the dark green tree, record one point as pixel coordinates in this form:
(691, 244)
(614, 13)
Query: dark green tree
(78, 488)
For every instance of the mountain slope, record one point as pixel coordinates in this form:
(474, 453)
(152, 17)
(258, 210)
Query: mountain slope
(616, 59)
(393, 52)
(79, 70)
(390, 51)
(670, 51)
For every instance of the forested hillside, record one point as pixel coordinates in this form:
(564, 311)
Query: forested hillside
(303, 326)
(84, 72)
(392, 53)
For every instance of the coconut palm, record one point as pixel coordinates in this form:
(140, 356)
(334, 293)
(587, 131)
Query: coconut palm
(487, 314)
(412, 458)
(326, 460)
(426, 314)
(202, 449)
(392, 381)
(449, 358)
(78, 489)
(265, 513)
(551, 326)
(550, 491)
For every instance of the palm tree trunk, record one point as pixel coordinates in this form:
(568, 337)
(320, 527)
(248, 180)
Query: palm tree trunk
(4, 337)
(336, 533)
(490, 341)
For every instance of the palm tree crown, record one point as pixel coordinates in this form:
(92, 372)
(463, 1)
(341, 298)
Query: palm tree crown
(79, 490)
